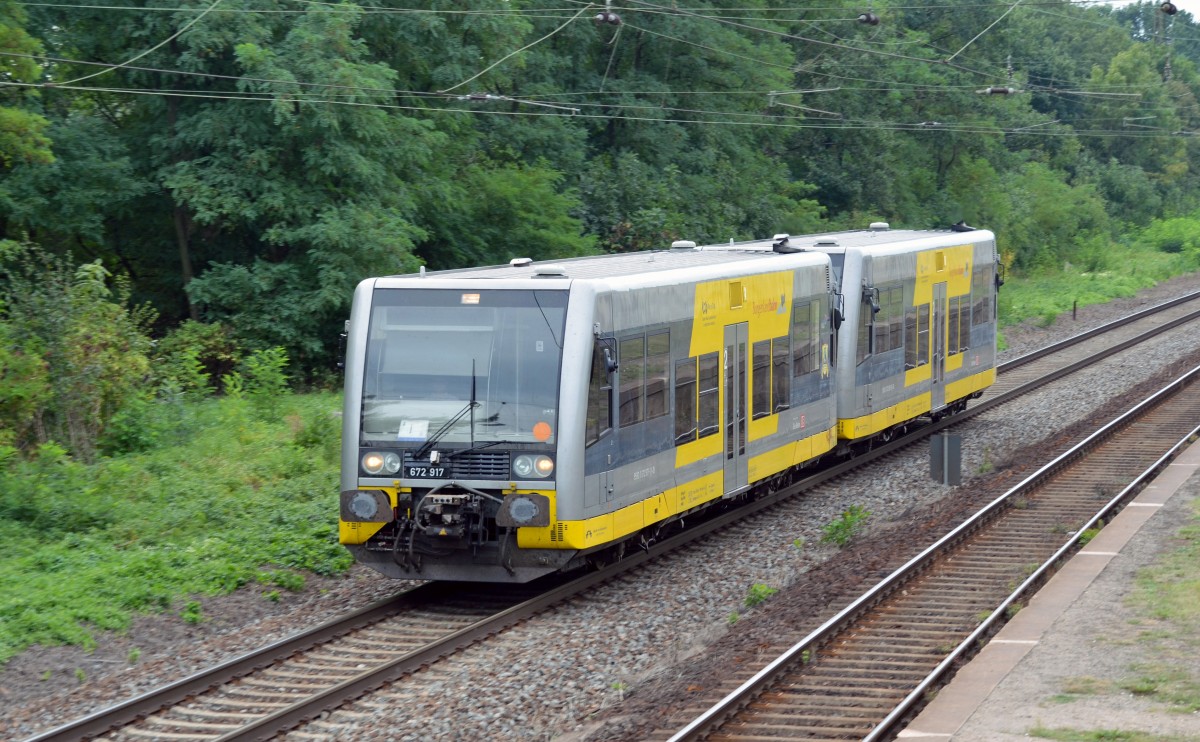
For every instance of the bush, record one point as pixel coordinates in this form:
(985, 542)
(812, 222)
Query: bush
(93, 345)
(24, 390)
(840, 532)
(195, 355)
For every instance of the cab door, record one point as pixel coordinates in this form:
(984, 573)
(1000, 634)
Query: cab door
(737, 339)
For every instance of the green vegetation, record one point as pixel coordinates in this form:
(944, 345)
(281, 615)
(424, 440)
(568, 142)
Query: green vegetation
(842, 530)
(180, 237)
(758, 594)
(1086, 537)
(1127, 270)
(1102, 735)
(1167, 600)
(200, 513)
(250, 172)
(1166, 604)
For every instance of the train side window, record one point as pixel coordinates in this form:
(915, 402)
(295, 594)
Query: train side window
(685, 401)
(953, 311)
(709, 380)
(633, 375)
(922, 334)
(896, 316)
(827, 331)
(964, 324)
(864, 333)
(658, 369)
(761, 393)
(599, 409)
(889, 322)
(912, 337)
(981, 285)
(781, 379)
(804, 338)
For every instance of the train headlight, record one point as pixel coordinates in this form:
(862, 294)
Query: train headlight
(539, 467)
(376, 462)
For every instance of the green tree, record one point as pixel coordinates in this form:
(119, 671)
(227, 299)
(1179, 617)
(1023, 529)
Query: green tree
(94, 346)
(22, 129)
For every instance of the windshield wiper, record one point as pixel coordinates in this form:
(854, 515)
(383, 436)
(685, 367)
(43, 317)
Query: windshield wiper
(423, 451)
(452, 454)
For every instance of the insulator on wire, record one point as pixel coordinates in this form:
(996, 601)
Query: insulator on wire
(868, 18)
(608, 17)
(1168, 8)
(997, 90)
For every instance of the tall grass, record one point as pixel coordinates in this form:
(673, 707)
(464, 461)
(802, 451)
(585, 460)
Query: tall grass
(228, 496)
(1120, 274)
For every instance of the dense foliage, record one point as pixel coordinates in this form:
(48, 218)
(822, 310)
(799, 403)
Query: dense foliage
(247, 161)
(190, 189)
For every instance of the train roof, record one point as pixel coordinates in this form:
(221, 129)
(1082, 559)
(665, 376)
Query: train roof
(612, 265)
(687, 255)
(879, 237)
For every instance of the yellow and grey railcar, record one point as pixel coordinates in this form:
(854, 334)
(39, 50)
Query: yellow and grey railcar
(918, 334)
(507, 422)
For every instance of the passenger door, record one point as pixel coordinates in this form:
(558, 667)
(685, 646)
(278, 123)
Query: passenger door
(938, 351)
(737, 339)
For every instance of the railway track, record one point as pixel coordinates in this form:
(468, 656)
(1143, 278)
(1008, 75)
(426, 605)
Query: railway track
(867, 668)
(283, 685)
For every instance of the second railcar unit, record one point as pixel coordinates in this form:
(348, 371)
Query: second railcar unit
(503, 423)
(918, 333)
(920, 325)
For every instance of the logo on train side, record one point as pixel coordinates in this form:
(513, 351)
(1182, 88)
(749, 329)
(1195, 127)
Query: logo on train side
(774, 306)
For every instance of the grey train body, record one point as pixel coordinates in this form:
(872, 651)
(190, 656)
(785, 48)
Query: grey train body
(507, 422)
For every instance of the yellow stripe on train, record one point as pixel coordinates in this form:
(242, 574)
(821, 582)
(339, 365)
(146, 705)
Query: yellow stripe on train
(583, 534)
(860, 427)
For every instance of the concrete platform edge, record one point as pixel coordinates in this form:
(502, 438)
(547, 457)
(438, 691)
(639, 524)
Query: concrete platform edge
(956, 702)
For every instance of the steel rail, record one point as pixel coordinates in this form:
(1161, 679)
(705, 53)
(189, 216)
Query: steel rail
(971, 643)
(721, 712)
(112, 717)
(1095, 332)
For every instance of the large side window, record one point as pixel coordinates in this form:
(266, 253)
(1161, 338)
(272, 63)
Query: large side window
(599, 409)
(922, 334)
(889, 323)
(910, 337)
(981, 291)
(916, 336)
(761, 393)
(865, 319)
(964, 324)
(781, 378)
(709, 394)
(685, 401)
(804, 338)
(658, 369)
(633, 376)
(959, 323)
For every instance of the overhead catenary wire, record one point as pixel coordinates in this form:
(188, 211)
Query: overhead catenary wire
(510, 55)
(892, 85)
(157, 46)
(765, 122)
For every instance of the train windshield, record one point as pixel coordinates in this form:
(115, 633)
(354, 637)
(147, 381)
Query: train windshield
(463, 367)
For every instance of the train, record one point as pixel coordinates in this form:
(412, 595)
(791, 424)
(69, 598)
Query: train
(508, 422)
